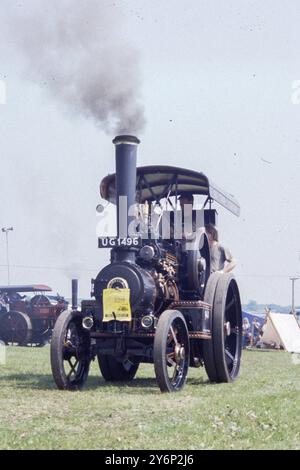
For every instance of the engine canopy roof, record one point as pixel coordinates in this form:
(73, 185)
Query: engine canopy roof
(157, 182)
(26, 288)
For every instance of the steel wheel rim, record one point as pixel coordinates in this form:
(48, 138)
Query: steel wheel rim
(177, 357)
(232, 331)
(75, 360)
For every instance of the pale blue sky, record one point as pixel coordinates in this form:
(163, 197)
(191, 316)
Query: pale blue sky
(217, 85)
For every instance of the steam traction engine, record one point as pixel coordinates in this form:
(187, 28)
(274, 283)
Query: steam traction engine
(24, 320)
(157, 301)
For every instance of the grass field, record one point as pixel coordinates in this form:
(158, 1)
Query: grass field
(261, 410)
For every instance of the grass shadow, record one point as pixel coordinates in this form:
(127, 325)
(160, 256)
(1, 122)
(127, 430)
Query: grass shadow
(28, 381)
(200, 381)
(45, 382)
(148, 385)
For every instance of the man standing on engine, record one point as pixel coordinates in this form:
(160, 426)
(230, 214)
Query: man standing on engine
(221, 260)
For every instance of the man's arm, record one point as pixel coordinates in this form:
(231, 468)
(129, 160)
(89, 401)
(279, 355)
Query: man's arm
(230, 261)
(230, 265)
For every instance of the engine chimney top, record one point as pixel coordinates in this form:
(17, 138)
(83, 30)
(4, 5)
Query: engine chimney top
(126, 139)
(74, 294)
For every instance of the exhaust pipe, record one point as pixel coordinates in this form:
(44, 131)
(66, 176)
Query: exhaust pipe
(74, 294)
(126, 159)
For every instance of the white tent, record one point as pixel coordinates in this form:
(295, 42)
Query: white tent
(281, 330)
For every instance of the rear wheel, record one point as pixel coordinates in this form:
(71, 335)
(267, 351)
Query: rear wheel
(117, 371)
(208, 349)
(15, 328)
(70, 352)
(222, 355)
(171, 351)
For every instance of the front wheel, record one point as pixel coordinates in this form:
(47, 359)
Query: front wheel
(70, 352)
(171, 351)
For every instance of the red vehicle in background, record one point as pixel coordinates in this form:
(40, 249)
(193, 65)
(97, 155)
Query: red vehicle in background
(28, 319)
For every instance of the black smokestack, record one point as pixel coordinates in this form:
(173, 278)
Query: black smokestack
(74, 294)
(126, 159)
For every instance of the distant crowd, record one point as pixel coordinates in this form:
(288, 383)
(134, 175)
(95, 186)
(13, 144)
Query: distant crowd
(252, 332)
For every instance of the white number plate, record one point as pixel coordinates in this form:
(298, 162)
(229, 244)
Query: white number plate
(112, 242)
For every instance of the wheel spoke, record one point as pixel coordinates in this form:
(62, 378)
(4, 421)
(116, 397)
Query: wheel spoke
(177, 373)
(173, 334)
(230, 304)
(171, 362)
(73, 368)
(171, 355)
(229, 355)
(170, 358)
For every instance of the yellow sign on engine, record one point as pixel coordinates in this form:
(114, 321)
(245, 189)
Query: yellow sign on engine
(116, 305)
